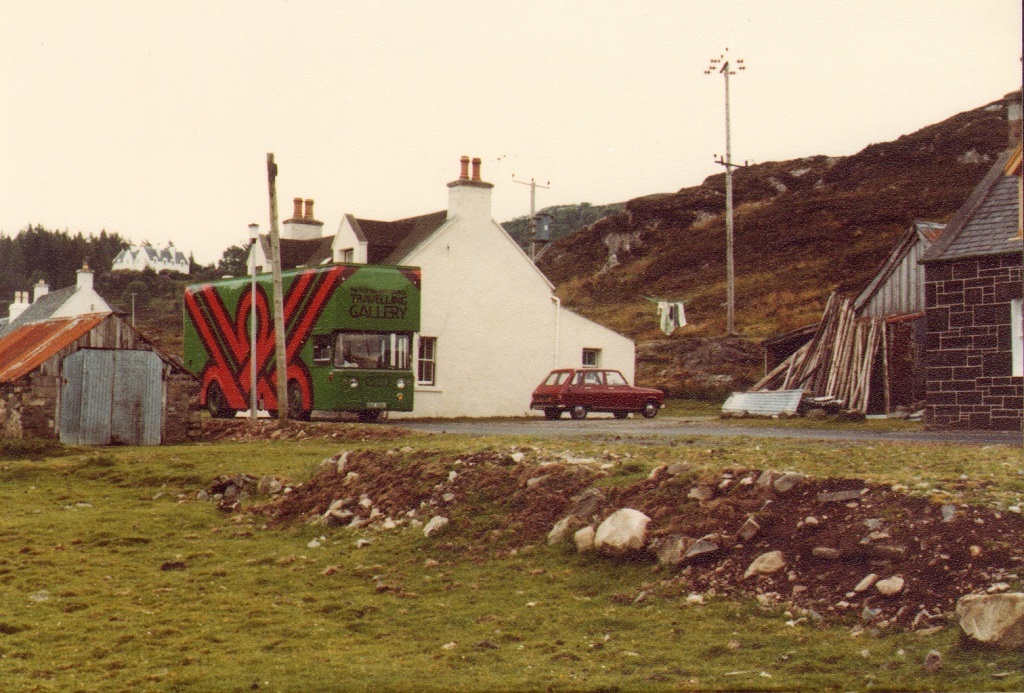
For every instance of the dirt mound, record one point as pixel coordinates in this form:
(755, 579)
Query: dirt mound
(834, 534)
(243, 430)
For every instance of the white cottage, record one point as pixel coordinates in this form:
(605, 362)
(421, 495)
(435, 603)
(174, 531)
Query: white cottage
(492, 326)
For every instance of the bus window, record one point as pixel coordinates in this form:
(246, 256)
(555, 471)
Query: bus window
(372, 350)
(322, 348)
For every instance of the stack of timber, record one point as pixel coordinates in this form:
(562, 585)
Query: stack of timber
(837, 362)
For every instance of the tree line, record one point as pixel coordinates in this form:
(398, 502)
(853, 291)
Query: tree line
(53, 256)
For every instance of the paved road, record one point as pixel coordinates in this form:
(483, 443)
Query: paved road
(669, 428)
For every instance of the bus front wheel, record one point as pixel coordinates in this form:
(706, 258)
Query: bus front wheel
(217, 403)
(295, 409)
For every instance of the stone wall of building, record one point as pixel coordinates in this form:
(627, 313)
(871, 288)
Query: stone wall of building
(181, 415)
(969, 364)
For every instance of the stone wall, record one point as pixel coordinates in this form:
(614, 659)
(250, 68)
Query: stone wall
(969, 368)
(181, 415)
(27, 407)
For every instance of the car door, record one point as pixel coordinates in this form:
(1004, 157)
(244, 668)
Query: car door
(618, 394)
(586, 389)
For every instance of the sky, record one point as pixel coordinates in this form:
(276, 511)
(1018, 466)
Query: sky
(154, 119)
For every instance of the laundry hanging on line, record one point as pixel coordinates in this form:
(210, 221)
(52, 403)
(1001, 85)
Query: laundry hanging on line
(672, 315)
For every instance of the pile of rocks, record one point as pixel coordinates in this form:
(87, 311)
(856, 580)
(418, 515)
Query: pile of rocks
(822, 547)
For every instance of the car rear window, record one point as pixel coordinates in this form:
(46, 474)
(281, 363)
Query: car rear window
(557, 378)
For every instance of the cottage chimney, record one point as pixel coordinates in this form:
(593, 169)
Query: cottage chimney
(40, 290)
(19, 306)
(470, 197)
(302, 226)
(84, 277)
(1013, 118)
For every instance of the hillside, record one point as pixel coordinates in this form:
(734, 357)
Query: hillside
(803, 228)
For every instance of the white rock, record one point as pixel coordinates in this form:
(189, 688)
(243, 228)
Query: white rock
(436, 523)
(787, 481)
(624, 531)
(890, 586)
(562, 528)
(517, 457)
(997, 619)
(766, 564)
(584, 539)
(866, 583)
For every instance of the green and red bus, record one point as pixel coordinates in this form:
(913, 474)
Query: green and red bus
(349, 335)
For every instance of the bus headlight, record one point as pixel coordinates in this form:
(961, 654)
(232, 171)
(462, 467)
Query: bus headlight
(400, 383)
(353, 382)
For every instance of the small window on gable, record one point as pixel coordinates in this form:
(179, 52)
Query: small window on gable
(348, 255)
(591, 358)
(1017, 333)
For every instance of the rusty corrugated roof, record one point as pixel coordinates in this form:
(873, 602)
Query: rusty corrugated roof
(25, 348)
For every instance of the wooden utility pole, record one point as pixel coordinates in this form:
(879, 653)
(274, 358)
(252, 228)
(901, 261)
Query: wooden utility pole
(275, 266)
(721, 64)
(533, 212)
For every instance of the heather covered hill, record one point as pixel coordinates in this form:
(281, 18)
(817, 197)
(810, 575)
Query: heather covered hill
(803, 228)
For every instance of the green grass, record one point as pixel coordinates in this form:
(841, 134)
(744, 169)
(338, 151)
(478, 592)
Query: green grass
(114, 578)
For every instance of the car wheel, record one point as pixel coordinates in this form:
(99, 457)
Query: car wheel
(650, 410)
(217, 403)
(552, 414)
(620, 414)
(578, 412)
(369, 415)
(295, 410)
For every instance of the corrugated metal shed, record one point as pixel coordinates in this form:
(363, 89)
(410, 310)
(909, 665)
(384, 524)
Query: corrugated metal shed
(898, 286)
(25, 348)
(764, 403)
(111, 396)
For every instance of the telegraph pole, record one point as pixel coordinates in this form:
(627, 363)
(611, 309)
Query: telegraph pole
(722, 65)
(275, 265)
(533, 212)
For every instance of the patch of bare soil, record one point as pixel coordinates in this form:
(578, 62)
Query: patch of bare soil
(833, 533)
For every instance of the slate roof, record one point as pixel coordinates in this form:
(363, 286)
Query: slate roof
(986, 224)
(299, 253)
(390, 242)
(41, 310)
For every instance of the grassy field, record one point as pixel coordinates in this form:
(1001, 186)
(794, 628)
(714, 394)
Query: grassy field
(113, 577)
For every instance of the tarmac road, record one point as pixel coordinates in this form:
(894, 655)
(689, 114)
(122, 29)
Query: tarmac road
(670, 428)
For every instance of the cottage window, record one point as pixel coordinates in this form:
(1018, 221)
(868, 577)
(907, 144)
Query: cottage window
(426, 367)
(1017, 332)
(591, 358)
(348, 255)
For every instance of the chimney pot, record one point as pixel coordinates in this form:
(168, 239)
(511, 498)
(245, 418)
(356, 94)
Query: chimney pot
(40, 290)
(476, 168)
(309, 211)
(297, 211)
(464, 172)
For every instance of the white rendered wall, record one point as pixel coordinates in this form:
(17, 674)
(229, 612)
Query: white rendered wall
(495, 321)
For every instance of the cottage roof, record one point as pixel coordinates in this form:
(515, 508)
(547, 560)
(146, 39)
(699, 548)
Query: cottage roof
(41, 310)
(389, 242)
(299, 253)
(986, 224)
(24, 348)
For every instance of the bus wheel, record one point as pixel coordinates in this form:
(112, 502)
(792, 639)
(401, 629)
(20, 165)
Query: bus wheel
(217, 403)
(295, 410)
(369, 415)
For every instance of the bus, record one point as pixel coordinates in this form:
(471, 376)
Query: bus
(349, 335)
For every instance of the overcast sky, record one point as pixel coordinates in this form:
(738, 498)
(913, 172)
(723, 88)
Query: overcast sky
(153, 119)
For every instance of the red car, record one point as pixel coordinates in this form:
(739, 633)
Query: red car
(582, 390)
